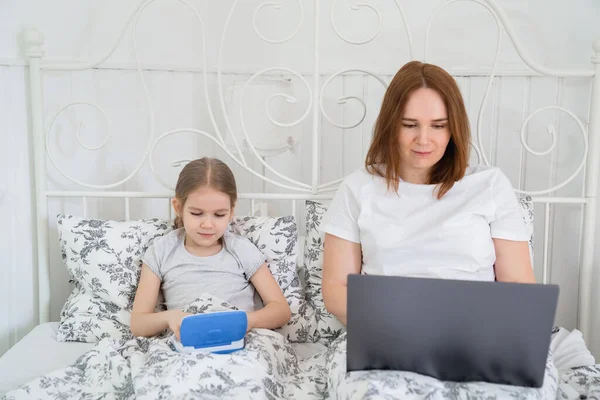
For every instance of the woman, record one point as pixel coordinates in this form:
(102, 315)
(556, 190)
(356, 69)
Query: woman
(417, 209)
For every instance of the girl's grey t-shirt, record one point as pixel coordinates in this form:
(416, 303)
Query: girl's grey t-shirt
(185, 277)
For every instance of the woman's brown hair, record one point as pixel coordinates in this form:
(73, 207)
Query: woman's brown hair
(204, 172)
(383, 157)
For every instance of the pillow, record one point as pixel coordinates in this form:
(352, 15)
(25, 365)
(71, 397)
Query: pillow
(277, 238)
(86, 317)
(104, 260)
(526, 209)
(325, 327)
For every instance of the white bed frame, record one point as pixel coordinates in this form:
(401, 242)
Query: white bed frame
(296, 190)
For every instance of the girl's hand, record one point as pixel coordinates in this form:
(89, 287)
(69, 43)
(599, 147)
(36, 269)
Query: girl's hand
(276, 312)
(250, 318)
(174, 319)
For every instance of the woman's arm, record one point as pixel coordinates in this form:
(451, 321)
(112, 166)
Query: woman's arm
(340, 258)
(276, 311)
(146, 322)
(513, 263)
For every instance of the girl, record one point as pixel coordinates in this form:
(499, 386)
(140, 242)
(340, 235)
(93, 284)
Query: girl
(201, 256)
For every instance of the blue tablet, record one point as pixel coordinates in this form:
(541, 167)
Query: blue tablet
(219, 332)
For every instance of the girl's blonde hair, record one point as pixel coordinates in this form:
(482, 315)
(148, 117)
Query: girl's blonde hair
(204, 172)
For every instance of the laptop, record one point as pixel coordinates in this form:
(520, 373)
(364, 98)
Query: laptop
(452, 330)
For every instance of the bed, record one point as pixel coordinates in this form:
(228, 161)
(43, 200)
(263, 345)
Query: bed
(93, 223)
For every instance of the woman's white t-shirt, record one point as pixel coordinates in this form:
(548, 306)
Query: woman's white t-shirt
(412, 233)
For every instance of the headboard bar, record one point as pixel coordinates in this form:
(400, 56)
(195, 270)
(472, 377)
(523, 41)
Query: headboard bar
(265, 196)
(34, 41)
(168, 195)
(587, 278)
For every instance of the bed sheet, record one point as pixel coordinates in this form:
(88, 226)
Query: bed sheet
(38, 353)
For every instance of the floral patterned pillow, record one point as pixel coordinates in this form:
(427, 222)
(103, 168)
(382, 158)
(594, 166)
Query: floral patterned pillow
(86, 317)
(104, 260)
(326, 327)
(526, 204)
(277, 238)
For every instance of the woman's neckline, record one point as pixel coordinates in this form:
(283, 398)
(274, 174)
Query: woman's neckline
(469, 170)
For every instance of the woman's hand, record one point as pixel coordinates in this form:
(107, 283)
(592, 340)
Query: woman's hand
(513, 263)
(174, 319)
(340, 258)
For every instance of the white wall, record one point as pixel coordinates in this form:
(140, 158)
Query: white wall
(557, 34)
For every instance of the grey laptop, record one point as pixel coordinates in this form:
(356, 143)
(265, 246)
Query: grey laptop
(451, 330)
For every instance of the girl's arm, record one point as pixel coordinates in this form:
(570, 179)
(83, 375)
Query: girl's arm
(513, 263)
(146, 322)
(276, 311)
(340, 258)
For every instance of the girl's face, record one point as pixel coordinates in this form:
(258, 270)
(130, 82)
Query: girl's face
(423, 135)
(206, 215)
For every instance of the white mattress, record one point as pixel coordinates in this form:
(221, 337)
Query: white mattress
(37, 354)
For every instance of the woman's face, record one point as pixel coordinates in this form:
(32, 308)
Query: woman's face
(423, 135)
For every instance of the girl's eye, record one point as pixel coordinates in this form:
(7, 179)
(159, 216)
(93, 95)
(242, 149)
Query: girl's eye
(220, 215)
(196, 214)
(409, 126)
(439, 126)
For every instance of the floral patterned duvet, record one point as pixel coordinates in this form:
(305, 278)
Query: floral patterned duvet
(267, 368)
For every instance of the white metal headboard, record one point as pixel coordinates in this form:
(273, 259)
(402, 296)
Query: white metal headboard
(315, 83)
